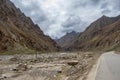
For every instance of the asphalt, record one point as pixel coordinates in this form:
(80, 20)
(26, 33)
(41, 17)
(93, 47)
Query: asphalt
(109, 67)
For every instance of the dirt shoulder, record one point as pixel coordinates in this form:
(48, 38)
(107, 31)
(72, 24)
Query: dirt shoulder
(92, 74)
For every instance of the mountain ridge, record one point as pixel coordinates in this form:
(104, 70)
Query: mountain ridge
(17, 30)
(93, 37)
(68, 39)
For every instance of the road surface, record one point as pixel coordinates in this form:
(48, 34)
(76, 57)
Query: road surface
(109, 67)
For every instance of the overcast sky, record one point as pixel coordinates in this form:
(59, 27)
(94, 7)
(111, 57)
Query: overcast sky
(57, 17)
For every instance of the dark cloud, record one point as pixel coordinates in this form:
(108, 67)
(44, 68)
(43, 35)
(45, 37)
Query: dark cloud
(96, 2)
(117, 5)
(104, 5)
(114, 5)
(85, 3)
(106, 11)
(72, 21)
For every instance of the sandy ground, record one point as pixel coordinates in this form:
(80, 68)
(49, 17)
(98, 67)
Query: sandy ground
(93, 71)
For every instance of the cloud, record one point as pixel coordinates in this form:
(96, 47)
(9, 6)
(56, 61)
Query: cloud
(73, 23)
(57, 17)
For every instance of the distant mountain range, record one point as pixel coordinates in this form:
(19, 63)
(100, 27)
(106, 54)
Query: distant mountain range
(19, 32)
(67, 40)
(103, 34)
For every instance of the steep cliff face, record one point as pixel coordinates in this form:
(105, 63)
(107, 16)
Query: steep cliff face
(19, 31)
(103, 34)
(67, 40)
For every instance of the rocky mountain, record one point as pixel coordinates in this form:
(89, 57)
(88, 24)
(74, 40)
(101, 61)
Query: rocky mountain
(18, 31)
(67, 40)
(103, 34)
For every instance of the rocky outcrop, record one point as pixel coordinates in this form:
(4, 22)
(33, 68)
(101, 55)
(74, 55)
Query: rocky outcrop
(18, 31)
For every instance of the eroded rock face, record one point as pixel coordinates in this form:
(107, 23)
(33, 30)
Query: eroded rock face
(17, 29)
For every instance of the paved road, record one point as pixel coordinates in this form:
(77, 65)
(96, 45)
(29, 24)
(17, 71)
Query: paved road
(109, 67)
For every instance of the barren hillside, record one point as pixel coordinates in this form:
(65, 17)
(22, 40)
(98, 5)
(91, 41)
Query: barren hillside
(19, 32)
